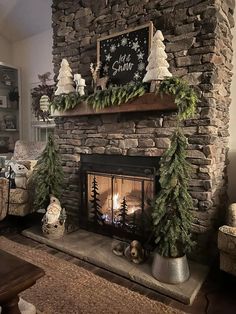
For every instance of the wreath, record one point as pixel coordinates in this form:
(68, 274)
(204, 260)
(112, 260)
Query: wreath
(39, 91)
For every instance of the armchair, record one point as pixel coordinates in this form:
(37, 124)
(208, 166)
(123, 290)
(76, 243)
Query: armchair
(227, 242)
(20, 203)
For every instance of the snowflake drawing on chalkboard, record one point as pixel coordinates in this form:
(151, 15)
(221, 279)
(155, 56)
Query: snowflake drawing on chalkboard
(105, 68)
(140, 55)
(135, 46)
(141, 66)
(124, 41)
(108, 57)
(124, 56)
(113, 48)
(136, 75)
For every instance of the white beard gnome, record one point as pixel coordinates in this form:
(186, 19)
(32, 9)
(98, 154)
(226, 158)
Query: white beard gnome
(54, 219)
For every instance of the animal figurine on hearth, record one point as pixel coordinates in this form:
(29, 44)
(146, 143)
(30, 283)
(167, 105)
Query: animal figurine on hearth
(133, 251)
(21, 172)
(118, 248)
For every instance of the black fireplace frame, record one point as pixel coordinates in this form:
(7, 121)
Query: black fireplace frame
(143, 166)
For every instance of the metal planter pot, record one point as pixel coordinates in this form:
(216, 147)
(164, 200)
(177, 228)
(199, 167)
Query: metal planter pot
(170, 270)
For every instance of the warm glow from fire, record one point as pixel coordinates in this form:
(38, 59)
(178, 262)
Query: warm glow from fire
(132, 210)
(116, 204)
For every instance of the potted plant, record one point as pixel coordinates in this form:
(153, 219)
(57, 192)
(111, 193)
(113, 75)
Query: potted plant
(171, 214)
(171, 209)
(47, 178)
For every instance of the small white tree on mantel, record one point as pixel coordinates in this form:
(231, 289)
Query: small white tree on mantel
(65, 83)
(157, 68)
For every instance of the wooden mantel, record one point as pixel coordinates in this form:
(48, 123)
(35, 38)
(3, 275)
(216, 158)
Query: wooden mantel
(147, 102)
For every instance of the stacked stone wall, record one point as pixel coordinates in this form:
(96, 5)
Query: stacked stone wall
(199, 46)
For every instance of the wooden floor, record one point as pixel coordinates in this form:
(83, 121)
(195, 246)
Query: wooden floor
(217, 295)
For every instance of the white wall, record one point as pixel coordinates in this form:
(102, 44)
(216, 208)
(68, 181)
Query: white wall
(34, 56)
(5, 50)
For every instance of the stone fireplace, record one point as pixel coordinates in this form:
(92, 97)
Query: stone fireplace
(198, 43)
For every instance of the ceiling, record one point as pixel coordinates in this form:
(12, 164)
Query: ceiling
(20, 19)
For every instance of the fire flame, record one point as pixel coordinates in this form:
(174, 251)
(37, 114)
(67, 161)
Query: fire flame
(116, 203)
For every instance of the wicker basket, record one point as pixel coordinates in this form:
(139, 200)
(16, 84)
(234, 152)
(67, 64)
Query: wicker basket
(53, 231)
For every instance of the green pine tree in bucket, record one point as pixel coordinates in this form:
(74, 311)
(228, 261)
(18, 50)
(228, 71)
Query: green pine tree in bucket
(171, 211)
(47, 177)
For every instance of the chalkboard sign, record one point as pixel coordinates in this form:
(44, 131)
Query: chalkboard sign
(124, 55)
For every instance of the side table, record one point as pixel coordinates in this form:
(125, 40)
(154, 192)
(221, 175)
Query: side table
(16, 275)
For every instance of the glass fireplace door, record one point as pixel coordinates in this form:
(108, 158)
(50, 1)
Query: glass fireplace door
(118, 201)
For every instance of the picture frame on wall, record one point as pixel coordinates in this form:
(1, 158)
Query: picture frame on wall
(3, 101)
(123, 56)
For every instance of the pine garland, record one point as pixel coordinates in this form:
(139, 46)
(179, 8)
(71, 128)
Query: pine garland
(47, 177)
(171, 210)
(65, 102)
(185, 97)
(113, 96)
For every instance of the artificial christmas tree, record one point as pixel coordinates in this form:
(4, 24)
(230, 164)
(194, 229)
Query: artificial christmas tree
(47, 177)
(65, 83)
(157, 68)
(96, 212)
(171, 214)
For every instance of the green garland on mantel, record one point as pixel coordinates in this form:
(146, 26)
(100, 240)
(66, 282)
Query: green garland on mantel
(185, 97)
(113, 96)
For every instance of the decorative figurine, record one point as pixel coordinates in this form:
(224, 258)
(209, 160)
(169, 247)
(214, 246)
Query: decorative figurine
(135, 252)
(54, 219)
(80, 84)
(98, 82)
(21, 175)
(65, 79)
(118, 248)
(6, 79)
(44, 103)
(157, 68)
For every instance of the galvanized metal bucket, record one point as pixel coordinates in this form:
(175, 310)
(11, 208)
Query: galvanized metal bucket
(170, 270)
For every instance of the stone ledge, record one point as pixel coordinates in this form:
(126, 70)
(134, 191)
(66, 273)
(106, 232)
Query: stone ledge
(96, 249)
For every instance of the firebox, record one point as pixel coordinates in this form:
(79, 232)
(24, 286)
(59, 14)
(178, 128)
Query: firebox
(116, 194)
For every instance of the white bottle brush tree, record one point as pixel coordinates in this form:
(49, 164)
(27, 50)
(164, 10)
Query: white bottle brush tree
(157, 68)
(65, 83)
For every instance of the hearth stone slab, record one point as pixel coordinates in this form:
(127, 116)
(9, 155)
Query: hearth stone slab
(96, 249)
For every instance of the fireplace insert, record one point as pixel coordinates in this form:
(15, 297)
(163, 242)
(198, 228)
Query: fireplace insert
(116, 195)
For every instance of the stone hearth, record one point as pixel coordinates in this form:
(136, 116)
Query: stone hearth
(199, 47)
(96, 249)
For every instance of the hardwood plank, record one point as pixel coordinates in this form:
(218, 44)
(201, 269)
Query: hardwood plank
(147, 102)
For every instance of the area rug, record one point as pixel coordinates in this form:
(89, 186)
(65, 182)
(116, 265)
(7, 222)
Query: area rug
(69, 289)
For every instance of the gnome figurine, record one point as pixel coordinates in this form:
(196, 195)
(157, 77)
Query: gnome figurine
(54, 219)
